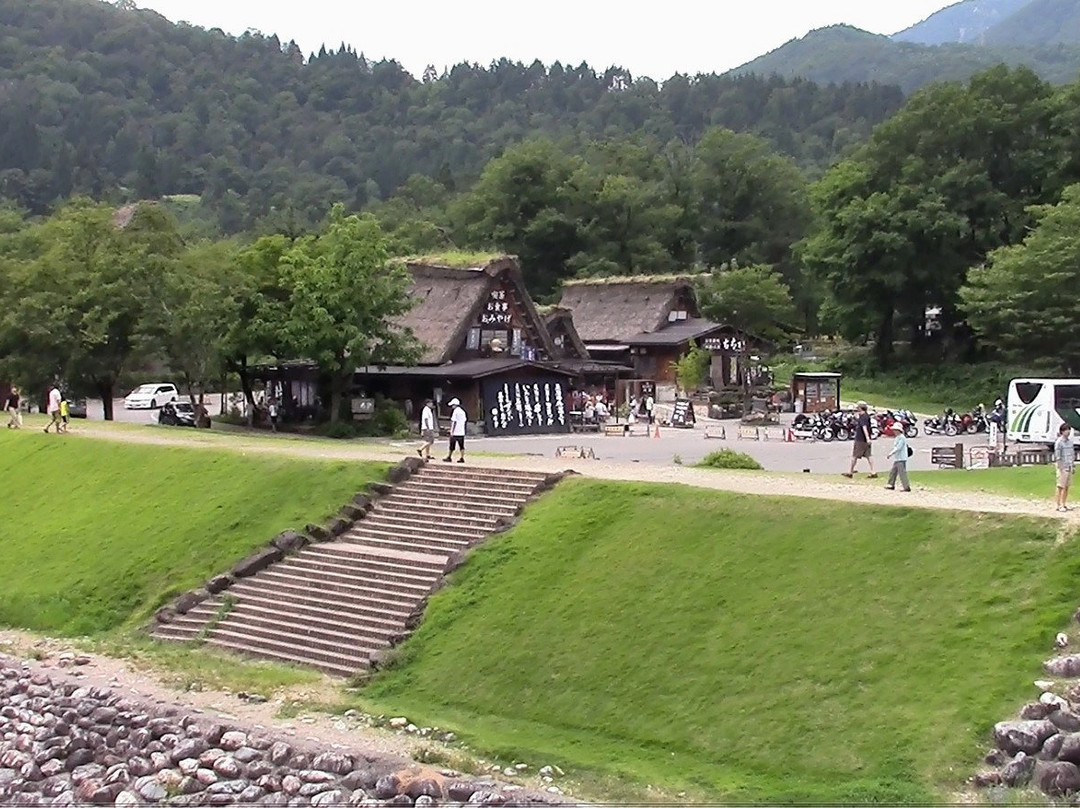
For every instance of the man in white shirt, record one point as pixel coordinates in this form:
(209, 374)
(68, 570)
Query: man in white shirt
(649, 405)
(427, 430)
(458, 419)
(55, 397)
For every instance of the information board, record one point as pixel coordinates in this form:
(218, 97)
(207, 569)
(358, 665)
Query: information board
(683, 414)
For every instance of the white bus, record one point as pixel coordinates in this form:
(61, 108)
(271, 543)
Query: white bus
(1038, 407)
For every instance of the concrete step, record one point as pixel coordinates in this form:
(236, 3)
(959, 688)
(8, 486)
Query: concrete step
(335, 664)
(435, 506)
(504, 485)
(289, 584)
(273, 593)
(273, 629)
(175, 631)
(399, 540)
(331, 627)
(466, 472)
(423, 517)
(381, 574)
(461, 494)
(388, 524)
(320, 612)
(353, 553)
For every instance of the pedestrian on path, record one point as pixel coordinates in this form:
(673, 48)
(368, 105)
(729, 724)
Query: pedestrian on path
(861, 448)
(458, 419)
(650, 405)
(14, 413)
(55, 397)
(274, 414)
(899, 455)
(65, 411)
(427, 430)
(1064, 462)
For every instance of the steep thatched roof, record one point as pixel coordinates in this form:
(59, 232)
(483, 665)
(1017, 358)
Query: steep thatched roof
(449, 300)
(561, 321)
(617, 308)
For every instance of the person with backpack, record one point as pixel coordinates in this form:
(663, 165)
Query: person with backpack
(458, 420)
(899, 454)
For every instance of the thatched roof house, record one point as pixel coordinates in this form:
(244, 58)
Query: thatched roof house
(564, 334)
(612, 310)
(453, 301)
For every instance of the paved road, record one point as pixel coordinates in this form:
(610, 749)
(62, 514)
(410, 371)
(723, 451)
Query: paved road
(95, 410)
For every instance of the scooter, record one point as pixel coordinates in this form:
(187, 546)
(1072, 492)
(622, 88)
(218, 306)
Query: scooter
(944, 424)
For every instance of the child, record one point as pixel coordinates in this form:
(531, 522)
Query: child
(899, 455)
(64, 412)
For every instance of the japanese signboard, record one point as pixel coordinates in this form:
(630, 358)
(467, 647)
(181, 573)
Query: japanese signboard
(532, 406)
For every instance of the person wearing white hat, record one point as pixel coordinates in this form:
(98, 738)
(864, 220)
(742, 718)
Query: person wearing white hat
(458, 419)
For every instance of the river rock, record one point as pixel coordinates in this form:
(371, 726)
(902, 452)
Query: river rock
(1017, 772)
(1022, 736)
(1065, 666)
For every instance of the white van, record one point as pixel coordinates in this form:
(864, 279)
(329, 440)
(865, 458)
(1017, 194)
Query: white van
(1038, 407)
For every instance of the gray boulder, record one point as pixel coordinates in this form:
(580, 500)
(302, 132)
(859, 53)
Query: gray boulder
(257, 562)
(1056, 778)
(1017, 772)
(1065, 666)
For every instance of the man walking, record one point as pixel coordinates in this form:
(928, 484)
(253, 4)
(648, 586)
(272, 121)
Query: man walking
(15, 415)
(861, 448)
(458, 419)
(427, 430)
(1064, 462)
(53, 406)
(899, 455)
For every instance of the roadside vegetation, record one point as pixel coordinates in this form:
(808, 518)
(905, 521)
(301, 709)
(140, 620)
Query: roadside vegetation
(752, 650)
(97, 534)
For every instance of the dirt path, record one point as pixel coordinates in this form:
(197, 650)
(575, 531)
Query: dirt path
(756, 483)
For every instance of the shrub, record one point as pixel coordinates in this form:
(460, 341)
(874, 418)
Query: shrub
(342, 430)
(729, 459)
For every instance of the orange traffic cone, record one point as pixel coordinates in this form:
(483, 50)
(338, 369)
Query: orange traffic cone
(656, 434)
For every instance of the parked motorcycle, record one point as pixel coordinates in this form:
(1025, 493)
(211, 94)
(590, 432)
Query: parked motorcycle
(945, 424)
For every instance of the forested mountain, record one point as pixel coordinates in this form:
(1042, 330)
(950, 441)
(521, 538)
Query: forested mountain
(960, 23)
(1040, 22)
(1041, 34)
(121, 104)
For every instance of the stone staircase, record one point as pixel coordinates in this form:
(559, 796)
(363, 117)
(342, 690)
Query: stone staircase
(331, 605)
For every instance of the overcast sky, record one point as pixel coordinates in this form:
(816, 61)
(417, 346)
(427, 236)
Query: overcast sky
(653, 39)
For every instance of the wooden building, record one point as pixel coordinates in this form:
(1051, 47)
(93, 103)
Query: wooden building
(483, 342)
(649, 322)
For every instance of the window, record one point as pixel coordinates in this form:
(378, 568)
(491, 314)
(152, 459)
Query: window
(489, 334)
(473, 342)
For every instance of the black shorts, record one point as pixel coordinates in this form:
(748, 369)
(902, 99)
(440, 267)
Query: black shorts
(457, 442)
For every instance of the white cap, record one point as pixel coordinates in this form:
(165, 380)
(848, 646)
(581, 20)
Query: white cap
(453, 402)
(861, 404)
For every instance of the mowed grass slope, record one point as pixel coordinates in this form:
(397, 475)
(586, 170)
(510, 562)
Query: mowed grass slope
(740, 648)
(96, 534)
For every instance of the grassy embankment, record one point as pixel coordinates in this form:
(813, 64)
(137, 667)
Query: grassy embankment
(739, 648)
(98, 534)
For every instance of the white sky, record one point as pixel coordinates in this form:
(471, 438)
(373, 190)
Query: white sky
(653, 39)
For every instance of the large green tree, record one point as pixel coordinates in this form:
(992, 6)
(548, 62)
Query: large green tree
(753, 299)
(344, 296)
(1022, 301)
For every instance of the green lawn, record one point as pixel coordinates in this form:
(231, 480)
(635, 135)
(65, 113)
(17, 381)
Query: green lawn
(97, 534)
(1030, 482)
(739, 648)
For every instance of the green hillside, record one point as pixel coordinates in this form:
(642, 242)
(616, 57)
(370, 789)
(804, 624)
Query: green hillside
(842, 53)
(96, 534)
(739, 648)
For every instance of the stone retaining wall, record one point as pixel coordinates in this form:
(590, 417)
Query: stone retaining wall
(66, 744)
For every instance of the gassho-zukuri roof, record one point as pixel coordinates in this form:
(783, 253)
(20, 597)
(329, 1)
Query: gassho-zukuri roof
(618, 308)
(450, 299)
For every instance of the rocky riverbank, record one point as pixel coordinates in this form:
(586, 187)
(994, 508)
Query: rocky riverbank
(66, 743)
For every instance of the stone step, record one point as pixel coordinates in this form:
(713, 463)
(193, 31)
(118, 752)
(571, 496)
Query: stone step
(272, 628)
(387, 524)
(305, 600)
(440, 505)
(334, 569)
(289, 584)
(423, 517)
(175, 631)
(354, 554)
(461, 494)
(331, 626)
(343, 615)
(343, 665)
(398, 541)
(467, 472)
(503, 485)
